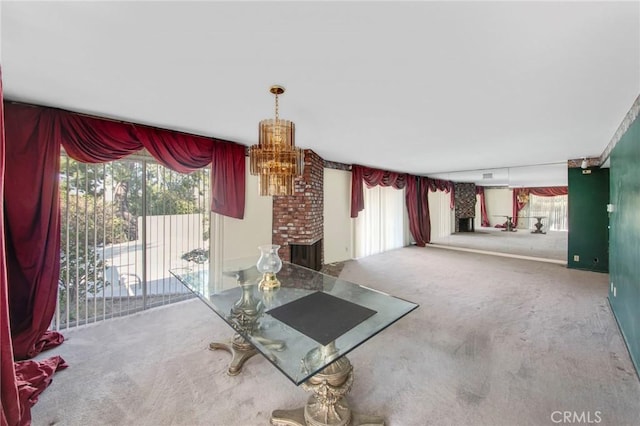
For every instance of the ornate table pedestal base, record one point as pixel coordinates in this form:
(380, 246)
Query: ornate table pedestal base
(240, 351)
(328, 404)
(538, 226)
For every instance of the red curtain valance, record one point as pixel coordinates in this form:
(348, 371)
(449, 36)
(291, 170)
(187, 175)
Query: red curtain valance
(95, 140)
(177, 151)
(372, 177)
(549, 191)
(440, 185)
(86, 139)
(446, 186)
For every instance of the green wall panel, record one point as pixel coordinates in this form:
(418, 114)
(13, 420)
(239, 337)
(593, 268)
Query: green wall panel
(588, 220)
(625, 238)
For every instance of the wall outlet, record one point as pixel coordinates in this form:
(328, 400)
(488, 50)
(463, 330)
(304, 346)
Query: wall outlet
(614, 292)
(576, 258)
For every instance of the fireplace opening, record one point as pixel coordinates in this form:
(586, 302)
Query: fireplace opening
(307, 255)
(465, 224)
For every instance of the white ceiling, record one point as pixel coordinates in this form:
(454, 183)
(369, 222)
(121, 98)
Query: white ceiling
(421, 87)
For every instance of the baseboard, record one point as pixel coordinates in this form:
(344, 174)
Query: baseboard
(496, 253)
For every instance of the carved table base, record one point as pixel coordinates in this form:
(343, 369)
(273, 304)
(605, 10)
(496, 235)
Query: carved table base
(328, 404)
(240, 351)
(538, 226)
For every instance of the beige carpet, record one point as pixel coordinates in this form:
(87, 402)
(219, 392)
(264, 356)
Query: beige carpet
(552, 245)
(496, 341)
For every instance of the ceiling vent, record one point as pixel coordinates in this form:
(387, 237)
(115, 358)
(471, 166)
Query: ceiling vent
(487, 176)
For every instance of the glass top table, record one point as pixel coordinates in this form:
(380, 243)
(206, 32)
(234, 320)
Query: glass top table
(304, 328)
(292, 351)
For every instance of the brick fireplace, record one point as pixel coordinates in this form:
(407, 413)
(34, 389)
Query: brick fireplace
(465, 212)
(298, 220)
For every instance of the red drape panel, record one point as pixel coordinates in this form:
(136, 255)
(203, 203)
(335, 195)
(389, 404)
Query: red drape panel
(484, 218)
(32, 228)
(372, 177)
(228, 179)
(10, 414)
(22, 382)
(517, 205)
(357, 194)
(33, 378)
(418, 209)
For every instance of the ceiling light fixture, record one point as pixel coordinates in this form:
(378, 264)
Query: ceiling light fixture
(276, 160)
(585, 163)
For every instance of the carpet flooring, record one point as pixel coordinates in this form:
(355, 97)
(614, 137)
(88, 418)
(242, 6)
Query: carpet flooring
(495, 341)
(552, 245)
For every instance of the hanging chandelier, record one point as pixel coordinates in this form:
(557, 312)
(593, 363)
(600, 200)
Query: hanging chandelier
(276, 160)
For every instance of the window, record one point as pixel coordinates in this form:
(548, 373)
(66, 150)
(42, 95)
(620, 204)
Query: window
(383, 224)
(554, 209)
(124, 224)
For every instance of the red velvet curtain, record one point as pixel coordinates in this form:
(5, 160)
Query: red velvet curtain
(416, 197)
(22, 382)
(177, 151)
(520, 193)
(10, 414)
(32, 228)
(484, 218)
(228, 179)
(418, 209)
(33, 377)
(89, 139)
(372, 177)
(517, 204)
(93, 140)
(34, 136)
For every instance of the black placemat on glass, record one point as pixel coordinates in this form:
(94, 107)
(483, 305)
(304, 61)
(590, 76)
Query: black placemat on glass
(321, 316)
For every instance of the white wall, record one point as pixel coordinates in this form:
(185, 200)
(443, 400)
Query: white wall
(338, 225)
(499, 203)
(242, 237)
